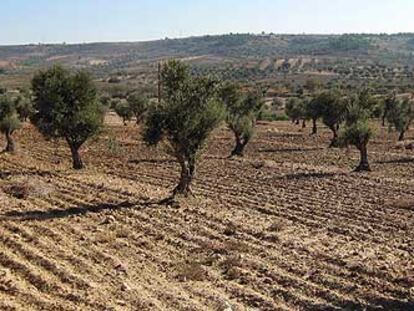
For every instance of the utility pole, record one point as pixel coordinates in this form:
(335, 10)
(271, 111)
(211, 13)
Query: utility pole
(159, 82)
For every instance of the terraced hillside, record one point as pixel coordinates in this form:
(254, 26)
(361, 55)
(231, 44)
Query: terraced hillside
(288, 227)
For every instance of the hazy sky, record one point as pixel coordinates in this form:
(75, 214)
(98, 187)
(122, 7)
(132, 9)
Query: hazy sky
(32, 21)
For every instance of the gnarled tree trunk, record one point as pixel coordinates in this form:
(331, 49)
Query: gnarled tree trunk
(402, 135)
(303, 124)
(76, 158)
(314, 127)
(240, 145)
(363, 164)
(11, 146)
(186, 178)
(334, 141)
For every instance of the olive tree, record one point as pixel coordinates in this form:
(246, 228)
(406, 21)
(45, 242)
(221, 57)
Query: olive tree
(313, 112)
(123, 110)
(357, 131)
(66, 105)
(242, 111)
(389, 102)
(332, 111)
(138, 105)
(400, 115)
(295, 110)
(185, 117)
(24, 105)
(9, 121)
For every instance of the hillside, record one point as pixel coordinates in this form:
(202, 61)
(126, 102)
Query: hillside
(122, 55)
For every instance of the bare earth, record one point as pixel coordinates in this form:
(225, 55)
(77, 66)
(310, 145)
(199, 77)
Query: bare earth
(288, 227)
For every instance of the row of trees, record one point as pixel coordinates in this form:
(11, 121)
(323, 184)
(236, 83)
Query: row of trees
(65, 104)
(349, 116)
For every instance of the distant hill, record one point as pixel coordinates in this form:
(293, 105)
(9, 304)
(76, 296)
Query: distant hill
(110, 56)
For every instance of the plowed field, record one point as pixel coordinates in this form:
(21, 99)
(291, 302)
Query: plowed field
(287, 227)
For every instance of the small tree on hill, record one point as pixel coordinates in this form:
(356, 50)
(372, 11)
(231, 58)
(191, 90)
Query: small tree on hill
(123, 110)
(9, 121)
(401, 115)
(242, 111)
(189, 112)
(138, 105)
(332, 112)
(66, 105)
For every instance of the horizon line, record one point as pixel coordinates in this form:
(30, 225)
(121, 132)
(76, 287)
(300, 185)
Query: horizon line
(206, 35)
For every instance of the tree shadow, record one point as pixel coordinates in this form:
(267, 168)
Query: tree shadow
(281, 150)
(396, 161)
(392, 305)
(379, 304)
(79, 210)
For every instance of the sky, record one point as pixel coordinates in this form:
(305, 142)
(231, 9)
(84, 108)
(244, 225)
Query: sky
(78, 21)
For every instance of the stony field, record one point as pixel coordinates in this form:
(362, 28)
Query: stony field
(287, 227)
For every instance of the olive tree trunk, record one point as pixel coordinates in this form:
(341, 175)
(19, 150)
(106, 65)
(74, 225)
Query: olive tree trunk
(240, 145)
(334, 141)
(303, 124)
(186, 178)
(76, 158)
(402, 135)
(314, 127)
(363, 164)
(11, 146)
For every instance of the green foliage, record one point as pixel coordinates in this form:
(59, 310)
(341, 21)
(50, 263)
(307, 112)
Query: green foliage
(357, 130)
(9, 118)
(356, 133)
(24, 105)
(138, 105)
(66, 105)
(362, 106)
(242, 113)
(189, 112)
(331, 107)
(349, 42)
(359, 110)
(313, 109)
(401, 115)
(123, 110)
(295, 109)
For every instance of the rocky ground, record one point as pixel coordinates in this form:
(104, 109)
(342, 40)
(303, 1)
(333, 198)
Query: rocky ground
(287, 227)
